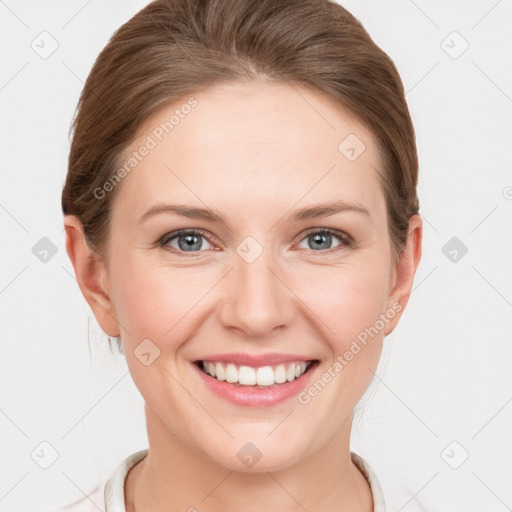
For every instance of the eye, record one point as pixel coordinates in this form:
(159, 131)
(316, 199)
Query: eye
(193, 240)
(185, 240)
(322, 239)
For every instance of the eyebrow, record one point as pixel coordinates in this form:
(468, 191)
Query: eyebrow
(310, 212)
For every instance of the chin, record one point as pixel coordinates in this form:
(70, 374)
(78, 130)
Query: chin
(254, 457)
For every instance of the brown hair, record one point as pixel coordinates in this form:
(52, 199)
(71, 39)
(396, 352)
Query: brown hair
(174, 48)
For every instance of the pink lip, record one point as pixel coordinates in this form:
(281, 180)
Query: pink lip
(239, 359)
(252, 396)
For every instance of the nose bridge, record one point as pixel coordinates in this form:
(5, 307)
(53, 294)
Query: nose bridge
(256, 300)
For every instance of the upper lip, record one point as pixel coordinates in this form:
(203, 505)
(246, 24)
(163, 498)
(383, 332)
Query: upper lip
(255, 361)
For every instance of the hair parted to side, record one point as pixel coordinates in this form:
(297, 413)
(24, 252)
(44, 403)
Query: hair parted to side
(172, 49)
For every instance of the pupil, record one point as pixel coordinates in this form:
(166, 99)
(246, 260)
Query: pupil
(190, 241)
(322, 238)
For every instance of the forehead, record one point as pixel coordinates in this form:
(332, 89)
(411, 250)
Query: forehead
(252, 143)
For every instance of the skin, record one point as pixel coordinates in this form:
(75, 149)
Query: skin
(254, 151)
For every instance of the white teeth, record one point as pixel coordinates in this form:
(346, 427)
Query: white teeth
(249, 376)
(280, 374)
(246, 376)
(231, 373)
(264, 376)
(220, 373)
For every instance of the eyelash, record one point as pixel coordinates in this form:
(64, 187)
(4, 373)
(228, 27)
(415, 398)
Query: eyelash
(346, 240)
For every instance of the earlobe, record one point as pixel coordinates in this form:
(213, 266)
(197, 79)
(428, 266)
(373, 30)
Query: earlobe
(91, 276)
(405, 271)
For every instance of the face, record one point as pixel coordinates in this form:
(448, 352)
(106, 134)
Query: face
(277, 276)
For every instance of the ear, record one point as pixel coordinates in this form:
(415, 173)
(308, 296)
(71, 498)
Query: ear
(91, 275)
(403, 273)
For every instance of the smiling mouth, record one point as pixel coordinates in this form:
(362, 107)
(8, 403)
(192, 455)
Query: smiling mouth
(260, 377)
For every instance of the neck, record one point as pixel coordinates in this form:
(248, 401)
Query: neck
(174, 477)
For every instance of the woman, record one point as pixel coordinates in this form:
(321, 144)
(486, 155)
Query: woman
(241, 212)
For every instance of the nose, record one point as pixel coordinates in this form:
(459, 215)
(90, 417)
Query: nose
(257, 300)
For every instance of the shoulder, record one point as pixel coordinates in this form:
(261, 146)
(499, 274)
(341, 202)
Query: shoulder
(373, 482)
(114, 487)
(389, 493)
(93, 502)
(108, 495)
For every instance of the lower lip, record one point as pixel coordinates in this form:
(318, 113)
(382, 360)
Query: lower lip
(256, 397)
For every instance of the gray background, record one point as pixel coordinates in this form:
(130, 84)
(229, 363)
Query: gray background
(443, 389)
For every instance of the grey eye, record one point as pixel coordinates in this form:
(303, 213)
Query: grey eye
(320, 240)
(189, 242)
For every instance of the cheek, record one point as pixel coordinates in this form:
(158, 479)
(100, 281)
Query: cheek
(345, 299)
(155, 302)
(350, 306)
(155, 305)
